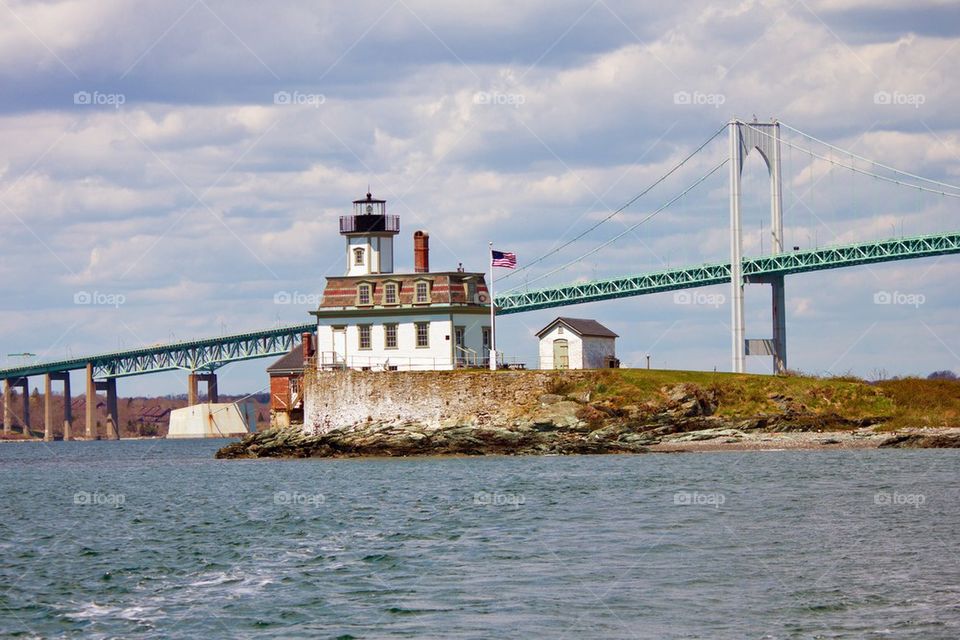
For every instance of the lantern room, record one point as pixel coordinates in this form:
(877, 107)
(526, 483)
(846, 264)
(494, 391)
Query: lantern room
(369, 234)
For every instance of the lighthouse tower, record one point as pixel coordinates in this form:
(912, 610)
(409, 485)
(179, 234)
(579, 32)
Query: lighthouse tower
(369, 233)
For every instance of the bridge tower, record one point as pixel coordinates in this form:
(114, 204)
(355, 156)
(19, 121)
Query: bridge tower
(764, 137)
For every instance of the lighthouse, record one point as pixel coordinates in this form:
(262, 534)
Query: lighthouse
(369, 236)
(373, 319)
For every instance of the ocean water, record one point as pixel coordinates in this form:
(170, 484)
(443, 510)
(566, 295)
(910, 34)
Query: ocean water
(159, 540)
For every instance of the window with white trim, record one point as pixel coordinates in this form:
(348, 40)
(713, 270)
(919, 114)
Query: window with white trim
(363, 294)
(358, 257)
(390, 336)
(390, 293)
(423, 334)
(422, 292)
(363, 331)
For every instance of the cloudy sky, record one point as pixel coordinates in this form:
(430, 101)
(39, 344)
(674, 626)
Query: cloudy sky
(186, 161)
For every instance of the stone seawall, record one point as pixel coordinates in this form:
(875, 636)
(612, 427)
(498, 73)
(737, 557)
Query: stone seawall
(337, 399)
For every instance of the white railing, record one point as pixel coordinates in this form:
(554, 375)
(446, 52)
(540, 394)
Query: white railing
(467, 357)
(332, 361)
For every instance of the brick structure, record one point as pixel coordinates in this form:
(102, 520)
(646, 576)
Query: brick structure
(286, 383)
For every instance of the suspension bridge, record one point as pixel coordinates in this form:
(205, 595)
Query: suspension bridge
(203, 357)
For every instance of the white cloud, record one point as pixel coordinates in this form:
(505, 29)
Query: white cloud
(108, 197)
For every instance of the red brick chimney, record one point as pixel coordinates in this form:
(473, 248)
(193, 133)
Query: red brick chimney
(421, 252)
(307, 342)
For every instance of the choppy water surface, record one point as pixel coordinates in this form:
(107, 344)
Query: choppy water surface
(157, 539)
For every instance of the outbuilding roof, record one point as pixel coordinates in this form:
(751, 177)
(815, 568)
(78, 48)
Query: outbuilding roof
(581, 327)
(291, 362)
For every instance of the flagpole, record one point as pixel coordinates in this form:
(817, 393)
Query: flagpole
(493, 320)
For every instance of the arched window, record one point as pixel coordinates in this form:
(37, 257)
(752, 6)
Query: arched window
(358, 257)
(363, 294)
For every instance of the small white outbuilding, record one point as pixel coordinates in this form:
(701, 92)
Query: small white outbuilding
(575, 343)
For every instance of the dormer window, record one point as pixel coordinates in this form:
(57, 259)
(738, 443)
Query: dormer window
(421, 292)
(364, 294)
(390, 293)
(358, 257)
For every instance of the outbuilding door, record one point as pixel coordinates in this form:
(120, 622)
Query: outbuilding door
(561, 354)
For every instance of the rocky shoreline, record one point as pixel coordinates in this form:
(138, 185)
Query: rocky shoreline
(683, 420)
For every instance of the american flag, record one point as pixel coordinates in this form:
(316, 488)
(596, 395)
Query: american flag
(504, 259)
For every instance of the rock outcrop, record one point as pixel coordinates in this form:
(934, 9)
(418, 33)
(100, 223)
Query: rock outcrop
(922, 441)
(559, 425)
(562, 419)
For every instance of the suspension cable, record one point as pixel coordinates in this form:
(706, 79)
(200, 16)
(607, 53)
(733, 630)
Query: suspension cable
(856, 170)
(873, 162)
(630, 202)
(628, 229)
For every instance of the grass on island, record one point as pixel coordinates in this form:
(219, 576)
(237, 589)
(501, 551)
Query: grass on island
(909, 402)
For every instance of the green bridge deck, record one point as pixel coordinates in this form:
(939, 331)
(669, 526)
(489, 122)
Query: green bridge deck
(208, 354)
(708, 274)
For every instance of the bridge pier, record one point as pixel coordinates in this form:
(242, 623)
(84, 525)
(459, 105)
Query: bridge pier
(9, 418)
(113, 417)
(24, 384)
(193, 384)
(63, 377)
(7, 412)
(91, 404)
(47, 409)
(779, 325)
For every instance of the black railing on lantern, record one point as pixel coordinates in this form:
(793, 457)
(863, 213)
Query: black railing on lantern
(369, 224)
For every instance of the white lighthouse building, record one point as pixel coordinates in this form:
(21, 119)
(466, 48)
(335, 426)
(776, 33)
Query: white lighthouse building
(376, 320)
